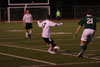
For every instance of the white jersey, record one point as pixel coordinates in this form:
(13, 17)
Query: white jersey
(27, 18)
(46, 24)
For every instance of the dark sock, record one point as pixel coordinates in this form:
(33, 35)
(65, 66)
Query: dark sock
(83, 48)
(53, 44)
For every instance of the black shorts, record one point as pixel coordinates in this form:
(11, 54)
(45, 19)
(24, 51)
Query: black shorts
(28, 26)
(58, 18)
(47, 40)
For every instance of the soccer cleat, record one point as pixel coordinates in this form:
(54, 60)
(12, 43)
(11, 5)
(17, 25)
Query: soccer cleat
(51, 51)
(26, 38)
(80, 55)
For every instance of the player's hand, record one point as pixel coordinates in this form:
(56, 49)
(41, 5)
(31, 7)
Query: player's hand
(61, 23)
(24, 23)
(75, 34)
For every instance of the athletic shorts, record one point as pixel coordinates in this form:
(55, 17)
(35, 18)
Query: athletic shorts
(48, 40)
(28, 26)
(58, 17)
(87, 34)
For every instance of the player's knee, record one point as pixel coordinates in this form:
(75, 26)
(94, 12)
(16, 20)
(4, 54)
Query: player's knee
(83, 43)
(26, 30)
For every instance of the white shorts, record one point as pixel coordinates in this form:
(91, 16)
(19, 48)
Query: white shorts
(87, 34)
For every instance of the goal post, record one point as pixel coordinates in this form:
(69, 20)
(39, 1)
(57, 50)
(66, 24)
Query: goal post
(16, 13)
(29, 2)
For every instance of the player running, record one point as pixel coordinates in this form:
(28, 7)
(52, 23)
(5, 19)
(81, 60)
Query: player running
(89, 23)
(27, 21)
(46, 24)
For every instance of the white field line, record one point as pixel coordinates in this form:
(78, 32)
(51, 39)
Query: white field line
(35, 66)
(63, 64)
(40, 33)
(25, 58)
(94, 58)
(23, 48)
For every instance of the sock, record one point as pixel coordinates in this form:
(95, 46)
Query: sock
(26, 34)
(53, 44)
(83, 48)
(30, 32)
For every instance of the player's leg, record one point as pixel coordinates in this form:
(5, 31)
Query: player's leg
(83, 44)
(31, 29)
(83, 47)
(30, 33)
(26, 31)
(48, 41)
(86, 38)
(26, 34)
(52, 43)
(58, 19)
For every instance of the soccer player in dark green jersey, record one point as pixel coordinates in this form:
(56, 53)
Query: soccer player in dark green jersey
(89, 23)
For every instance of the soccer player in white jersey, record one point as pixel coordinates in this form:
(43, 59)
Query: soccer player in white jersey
(27, 21)
(45, 25)
(89, 22)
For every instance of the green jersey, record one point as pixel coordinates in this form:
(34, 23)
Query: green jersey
(89, 22)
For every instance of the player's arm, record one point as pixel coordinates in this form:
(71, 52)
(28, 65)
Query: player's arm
(59, 24)
(78, 29)
(24, 23)
(81, 23)
(55, 24)
(31, 18)
(24, 20)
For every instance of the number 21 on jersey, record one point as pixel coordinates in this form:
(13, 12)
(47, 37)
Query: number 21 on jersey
(89, 20)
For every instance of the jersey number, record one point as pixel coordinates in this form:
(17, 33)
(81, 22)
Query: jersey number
(89, 20)
(43, 25)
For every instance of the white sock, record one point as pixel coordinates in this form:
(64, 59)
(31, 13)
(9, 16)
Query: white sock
(26, 34)
(30, 32)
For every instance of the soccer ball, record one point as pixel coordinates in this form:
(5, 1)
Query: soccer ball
(56, 48)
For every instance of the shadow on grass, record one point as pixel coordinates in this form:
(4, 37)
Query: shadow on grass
(69, 52)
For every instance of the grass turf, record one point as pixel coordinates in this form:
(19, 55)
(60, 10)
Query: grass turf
(12, 34)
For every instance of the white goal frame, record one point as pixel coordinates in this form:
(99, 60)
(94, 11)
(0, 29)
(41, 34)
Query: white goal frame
(9, 19)
(9, 3)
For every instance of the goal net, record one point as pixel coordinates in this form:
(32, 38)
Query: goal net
(16, 13)
(80, 11)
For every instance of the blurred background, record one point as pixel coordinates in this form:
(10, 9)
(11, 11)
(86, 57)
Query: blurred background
(70, 9)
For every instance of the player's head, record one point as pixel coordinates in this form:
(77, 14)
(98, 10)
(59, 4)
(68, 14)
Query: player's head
(90, 12)
(27, 11)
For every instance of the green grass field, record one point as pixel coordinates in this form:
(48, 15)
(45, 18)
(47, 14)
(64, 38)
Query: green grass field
(16, 51)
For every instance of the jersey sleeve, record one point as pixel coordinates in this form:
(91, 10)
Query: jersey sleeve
(81, 22)
(55, 24)
(51, 23)
(39, 23)
(23, 17)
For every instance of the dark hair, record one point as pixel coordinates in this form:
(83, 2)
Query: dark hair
(90, 12)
